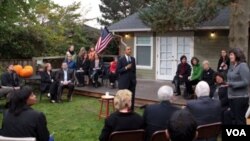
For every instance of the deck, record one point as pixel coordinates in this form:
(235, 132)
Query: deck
(146, 92)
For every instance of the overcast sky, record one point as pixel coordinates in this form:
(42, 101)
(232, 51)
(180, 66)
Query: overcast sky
(92, 6)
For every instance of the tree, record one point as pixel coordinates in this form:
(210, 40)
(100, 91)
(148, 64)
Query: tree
(179, 14)
(239, 25)
(115, 10)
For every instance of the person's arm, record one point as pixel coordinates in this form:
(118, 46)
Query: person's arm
(121, 69)
(42, 130)
(106, 131)
(145, 117)
(218, 65)
(198, 73)
(244, 74)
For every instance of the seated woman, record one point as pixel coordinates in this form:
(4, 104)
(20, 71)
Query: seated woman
(195, 76)
(112, 72)
(83, 65)
(95, 70)
(123, 119)
(221, 94)
(182, 74)
(47, 82)
(208, 76)
(20, 120)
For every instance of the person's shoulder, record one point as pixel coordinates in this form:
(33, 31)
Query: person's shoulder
(244, 65)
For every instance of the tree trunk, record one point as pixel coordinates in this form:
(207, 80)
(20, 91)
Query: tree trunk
(239, 25)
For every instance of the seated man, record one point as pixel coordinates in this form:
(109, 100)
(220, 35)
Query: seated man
(182, 126)
(205, 109)
(208, 76)
(66, 78)
(156, 116)
(9, 81)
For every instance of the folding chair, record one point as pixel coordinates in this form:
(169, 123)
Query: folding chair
(208, 131)
(2, 138)
(160, 136)
(131, 135)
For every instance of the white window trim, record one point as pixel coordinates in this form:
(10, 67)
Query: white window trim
(151, 49)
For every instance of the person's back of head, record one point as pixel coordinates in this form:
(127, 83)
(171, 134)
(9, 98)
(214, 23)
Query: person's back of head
(182, 126)
(18, 100)
(165, 93)
(202, 89)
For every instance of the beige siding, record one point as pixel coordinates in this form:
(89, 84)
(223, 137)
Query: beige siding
(207, 48)
(141, 73)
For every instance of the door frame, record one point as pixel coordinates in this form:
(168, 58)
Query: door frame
(174, 49)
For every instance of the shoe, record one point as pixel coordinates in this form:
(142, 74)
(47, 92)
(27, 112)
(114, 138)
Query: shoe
(48, 95)
(53, 101)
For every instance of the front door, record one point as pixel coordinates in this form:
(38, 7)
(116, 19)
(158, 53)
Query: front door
(169, 51)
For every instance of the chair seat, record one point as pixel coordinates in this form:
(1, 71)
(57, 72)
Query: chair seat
(131, 135)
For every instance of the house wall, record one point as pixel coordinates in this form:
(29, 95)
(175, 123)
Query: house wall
(208, 48)
(141, 73)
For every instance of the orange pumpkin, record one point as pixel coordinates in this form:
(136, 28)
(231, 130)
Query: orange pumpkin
(27, 71)
(18, 69)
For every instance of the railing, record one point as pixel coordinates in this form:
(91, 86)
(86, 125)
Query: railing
(5, 62)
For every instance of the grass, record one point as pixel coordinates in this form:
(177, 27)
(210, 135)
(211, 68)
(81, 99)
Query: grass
(73, 121)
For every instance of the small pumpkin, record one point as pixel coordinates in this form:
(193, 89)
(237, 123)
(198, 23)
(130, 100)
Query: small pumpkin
(27, 71)
(18, 69)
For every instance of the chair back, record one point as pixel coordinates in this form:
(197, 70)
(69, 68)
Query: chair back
(132, 135)
(209, 130)
(160, 136)
(2, 138)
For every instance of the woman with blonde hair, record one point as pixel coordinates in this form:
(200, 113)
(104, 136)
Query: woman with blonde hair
(123, 119)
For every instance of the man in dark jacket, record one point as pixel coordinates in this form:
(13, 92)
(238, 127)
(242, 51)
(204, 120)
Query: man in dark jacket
(9, 81)
(208, 76)
(204, 109)
(127, 73)
(65, 78)
(156, 116)
(182, 74)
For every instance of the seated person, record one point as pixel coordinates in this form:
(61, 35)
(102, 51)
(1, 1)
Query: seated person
(195, 76)
(112, 72)
(66, 78)
(204, 109)
(48, 83)
(123, 119)
(182, 74)
(95, 70)
(9, 81)
(83, 64)
(221, 94)
(182, 126)
(71, 63)
(156, 116)
(208, 76)
(20, 120)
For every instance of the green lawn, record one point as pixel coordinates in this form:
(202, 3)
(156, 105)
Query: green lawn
(73, 121)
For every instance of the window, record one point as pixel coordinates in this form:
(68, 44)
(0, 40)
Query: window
(143, 51)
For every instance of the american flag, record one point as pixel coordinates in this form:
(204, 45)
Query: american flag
(103, 40)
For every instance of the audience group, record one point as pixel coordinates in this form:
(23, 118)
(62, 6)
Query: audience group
(218, 96)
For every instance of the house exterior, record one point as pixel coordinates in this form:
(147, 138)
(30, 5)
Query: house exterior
(157, 55)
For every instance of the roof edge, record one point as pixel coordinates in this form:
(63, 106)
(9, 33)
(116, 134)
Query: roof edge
(130, 30)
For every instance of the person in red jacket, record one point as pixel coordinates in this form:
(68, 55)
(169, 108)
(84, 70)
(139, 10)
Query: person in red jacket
(112, 72)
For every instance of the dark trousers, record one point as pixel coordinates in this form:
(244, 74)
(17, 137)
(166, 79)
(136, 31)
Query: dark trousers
(95, 75)
(189, 85)
(80, 77)
(53, 91)
(238, 108)
(112, 77)
(70, 86)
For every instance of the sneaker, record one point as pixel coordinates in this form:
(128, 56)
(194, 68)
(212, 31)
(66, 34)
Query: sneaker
(53, 101)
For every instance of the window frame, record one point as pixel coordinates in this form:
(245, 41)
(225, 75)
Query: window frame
(150, 67)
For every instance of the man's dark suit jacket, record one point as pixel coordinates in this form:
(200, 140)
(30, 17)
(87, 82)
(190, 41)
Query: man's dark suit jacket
(205, 110)
(7, 80)
(156, 117)
(60, 75)
(29, 123)
(126, 77)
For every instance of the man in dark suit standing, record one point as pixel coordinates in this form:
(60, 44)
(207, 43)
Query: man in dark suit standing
(156, 116)
(205, 109)
(127, 73)
(65, 78)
